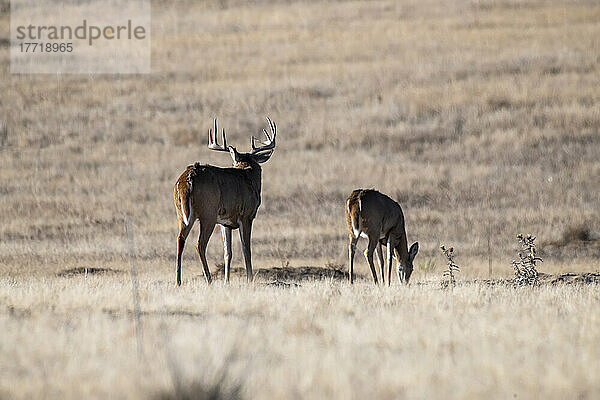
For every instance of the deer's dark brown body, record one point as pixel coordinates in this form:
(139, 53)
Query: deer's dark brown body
(380, 219)
(229, 197)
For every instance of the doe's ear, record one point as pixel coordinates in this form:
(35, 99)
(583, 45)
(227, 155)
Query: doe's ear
(413, 250)
(234, 154)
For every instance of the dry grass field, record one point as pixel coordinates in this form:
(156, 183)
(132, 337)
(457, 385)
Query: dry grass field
(480, 117)
(69, 338)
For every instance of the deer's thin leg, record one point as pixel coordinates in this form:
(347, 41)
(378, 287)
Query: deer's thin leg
(380, 261)
(206, 230)
(389, 261)
(184, 231)
(369, 256)
(226, 236)
(351, 251)
(245, 234)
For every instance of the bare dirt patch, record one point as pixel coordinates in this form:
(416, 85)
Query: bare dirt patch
(570, 278)
(574, 249)
(284, 276)
(576, 241)
(588, 278)
(91, 271)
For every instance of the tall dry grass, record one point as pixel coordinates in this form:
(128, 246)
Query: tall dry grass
(71, 338)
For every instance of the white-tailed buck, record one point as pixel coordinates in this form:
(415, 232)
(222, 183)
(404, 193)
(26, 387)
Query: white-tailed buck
(377, 217)
(226, 196)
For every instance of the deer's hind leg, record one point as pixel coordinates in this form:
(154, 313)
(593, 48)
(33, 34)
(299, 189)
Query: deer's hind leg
(351, 250)
(184, 231)
(369, 256)
(245, 238)
(206, 229)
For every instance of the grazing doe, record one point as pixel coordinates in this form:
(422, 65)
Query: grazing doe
(377, 217)
(229, 197)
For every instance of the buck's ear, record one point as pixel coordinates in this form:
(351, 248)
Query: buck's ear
(262, 157)
(414, 249)
(235, 156)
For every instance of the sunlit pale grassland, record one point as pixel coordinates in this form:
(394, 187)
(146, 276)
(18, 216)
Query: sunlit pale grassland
(480, 117)
(71, 338)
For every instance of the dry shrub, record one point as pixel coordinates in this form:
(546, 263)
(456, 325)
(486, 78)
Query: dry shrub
(526, 273)
(452, 267)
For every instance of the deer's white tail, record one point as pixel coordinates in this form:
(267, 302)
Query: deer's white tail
(354, 213)
(184, 213)
(185, 199)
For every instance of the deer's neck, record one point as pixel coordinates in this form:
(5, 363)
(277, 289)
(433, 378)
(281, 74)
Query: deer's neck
(256, 174)
(254, 171)
(403, 249)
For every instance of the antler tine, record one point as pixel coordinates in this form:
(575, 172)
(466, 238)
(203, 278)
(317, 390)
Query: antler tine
(223, 137)
(273, 127)
(267, 135)
(215, 132)
(213, 143)
(269, 144)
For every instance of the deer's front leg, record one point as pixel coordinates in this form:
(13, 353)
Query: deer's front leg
(399, 267)
(379, 252)
(226, 236)
(390, 252)
(245, 234)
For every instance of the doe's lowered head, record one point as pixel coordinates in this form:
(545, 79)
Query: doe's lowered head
(406, 267)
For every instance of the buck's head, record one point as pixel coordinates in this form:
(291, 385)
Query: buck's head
(258, 155)
(406, 267)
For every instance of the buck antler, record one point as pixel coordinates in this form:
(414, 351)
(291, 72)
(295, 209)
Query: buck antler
(269, 144)
(213, 144)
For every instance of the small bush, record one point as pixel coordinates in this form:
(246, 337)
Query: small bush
(525, 269)
(449, 278)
